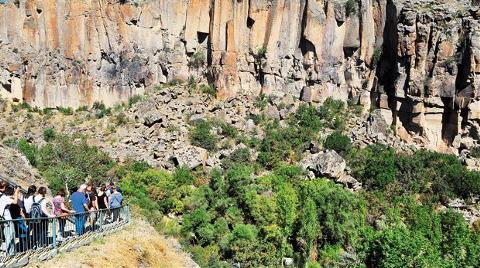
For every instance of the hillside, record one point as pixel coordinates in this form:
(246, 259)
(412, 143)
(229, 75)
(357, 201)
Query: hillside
(259, 133)
(137, 245)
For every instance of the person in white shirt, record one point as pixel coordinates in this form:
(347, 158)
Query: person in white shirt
(9, 197)
(28, 200)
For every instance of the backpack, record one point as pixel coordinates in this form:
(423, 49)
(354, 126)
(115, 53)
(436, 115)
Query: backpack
(2, 216)
(37, 209)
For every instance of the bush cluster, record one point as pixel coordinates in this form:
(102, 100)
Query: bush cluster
(255, 221)
(439, 176)
(201, 135)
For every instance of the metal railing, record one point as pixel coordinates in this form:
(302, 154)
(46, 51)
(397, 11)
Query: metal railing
(26, 240)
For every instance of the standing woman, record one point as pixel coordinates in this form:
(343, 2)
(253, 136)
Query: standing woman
(28, 200)
(61, 211)
(91, 195)
(102, 202)
(9, 197)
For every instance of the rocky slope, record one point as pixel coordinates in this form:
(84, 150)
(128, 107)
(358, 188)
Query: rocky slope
(138, 245)
(418, 60)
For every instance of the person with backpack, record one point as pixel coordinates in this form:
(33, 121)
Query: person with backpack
(39, 215)
(115, 202)
(9, 197)
(80, 205)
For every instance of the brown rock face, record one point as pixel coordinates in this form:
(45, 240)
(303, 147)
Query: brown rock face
(72, 53)
(418, 60)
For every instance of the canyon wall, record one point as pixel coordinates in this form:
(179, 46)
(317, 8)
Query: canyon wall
(418, 61)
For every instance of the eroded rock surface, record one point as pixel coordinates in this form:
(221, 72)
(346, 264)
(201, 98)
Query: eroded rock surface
(416, 60)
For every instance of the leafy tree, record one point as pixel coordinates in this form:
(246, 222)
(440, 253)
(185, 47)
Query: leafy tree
(309, 231)
(374, 166)
(66, 163)
(338, 142)
(287, 203)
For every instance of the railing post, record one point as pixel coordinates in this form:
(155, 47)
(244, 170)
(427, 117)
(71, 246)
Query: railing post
(54, 232)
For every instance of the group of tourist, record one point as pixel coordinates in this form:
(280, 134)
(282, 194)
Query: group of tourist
(87, 205)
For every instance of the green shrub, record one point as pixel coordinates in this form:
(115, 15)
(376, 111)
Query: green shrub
(83, 108)
(201, 136)
(29, 150)
(307, 117)
(65, 110)
(261, 101)
(475, 152)
(377, 55)
(101, 110)
(208, 89)
(374, 166)
(260, 53)
(49, 134)
(132, 100)
(240, 156)
(338, 142)
(351, 7)
(332, 113)
(197, 60)
(192, 84)
(228, 130)
(11, 142)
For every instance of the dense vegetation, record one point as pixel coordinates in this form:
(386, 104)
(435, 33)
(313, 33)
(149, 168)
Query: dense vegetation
(256, 211)
(66, 162)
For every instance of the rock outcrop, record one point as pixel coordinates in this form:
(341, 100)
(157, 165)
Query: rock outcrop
(15, 168)
(331, 165)
(417, 60)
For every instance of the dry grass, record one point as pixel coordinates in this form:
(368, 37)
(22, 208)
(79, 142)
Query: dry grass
(138, 245)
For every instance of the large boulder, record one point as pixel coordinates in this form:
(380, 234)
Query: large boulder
(377, 125)
(190, 156)
(147, 113)
(329, 164)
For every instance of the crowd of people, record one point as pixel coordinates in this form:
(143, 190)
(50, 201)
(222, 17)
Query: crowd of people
(27, 217)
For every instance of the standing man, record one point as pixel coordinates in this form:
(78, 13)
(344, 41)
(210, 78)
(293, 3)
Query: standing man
(115, 202)
(80, 206)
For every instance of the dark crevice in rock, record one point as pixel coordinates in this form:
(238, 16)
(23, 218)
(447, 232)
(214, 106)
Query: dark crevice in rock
(449, 121)
(387, 70)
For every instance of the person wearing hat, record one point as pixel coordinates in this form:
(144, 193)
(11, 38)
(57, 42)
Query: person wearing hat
(80, 206)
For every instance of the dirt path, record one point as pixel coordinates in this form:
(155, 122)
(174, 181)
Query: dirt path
(138, 245)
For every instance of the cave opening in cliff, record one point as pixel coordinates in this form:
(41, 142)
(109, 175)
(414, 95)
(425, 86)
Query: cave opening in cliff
(250, 22)
(7, 87)
(449, 121)
(307, 46)
(202, 37)
(349, 51)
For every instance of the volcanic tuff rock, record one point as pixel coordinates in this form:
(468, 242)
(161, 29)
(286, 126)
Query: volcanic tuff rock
(15, 168)
(417, 60)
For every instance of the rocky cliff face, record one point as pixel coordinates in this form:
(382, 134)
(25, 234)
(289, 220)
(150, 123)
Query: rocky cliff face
(417, 60)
